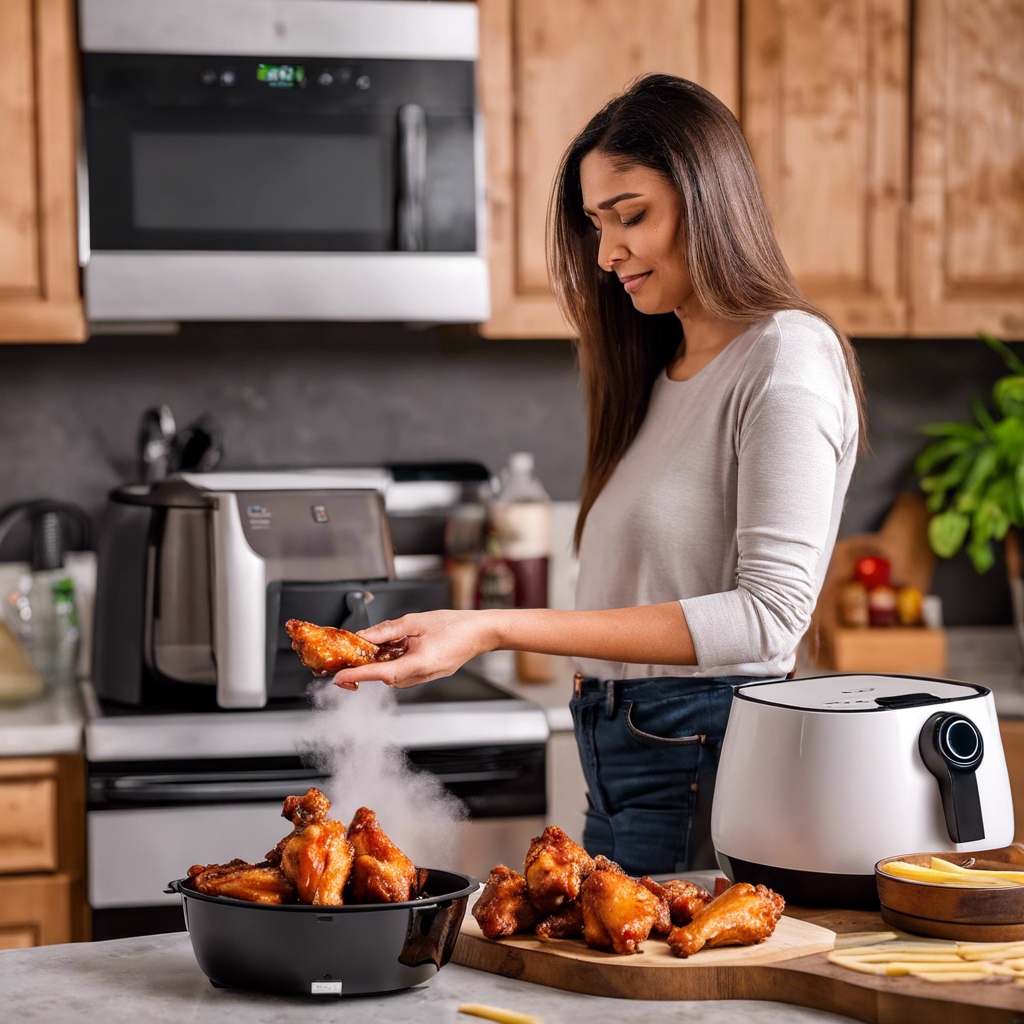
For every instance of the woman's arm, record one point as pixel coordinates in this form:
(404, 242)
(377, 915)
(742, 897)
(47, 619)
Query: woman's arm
(442, 641)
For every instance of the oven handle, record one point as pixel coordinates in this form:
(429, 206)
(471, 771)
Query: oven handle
(136, 790)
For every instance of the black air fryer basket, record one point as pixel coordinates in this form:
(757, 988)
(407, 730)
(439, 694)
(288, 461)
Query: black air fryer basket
(356, 949)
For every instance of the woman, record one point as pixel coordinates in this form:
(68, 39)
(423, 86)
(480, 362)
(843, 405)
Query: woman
(723, 414)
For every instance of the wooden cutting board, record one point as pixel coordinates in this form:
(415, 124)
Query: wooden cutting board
(789, 967)
(656, 973)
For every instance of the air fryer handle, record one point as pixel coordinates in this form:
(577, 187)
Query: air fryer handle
(953, 761)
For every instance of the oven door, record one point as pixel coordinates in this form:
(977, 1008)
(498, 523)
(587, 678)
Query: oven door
(204, 154)
(148, 822)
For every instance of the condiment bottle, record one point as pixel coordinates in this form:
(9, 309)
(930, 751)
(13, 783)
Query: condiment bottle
(521, 516)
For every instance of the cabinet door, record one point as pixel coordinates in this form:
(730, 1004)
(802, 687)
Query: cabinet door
(545, 69)
(967, 214)
(1011, 730)
(825, 112)
(35, 910)
(39, 288)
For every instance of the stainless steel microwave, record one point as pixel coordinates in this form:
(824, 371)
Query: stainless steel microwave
(281, 159)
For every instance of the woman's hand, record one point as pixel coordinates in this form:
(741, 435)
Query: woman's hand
(439, 643)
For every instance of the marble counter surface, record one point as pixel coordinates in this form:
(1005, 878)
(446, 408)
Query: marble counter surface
(50, 725)
(156, 979)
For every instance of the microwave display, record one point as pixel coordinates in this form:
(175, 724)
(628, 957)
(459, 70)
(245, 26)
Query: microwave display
(232, 153)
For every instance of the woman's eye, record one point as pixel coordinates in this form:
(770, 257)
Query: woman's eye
(636, 220)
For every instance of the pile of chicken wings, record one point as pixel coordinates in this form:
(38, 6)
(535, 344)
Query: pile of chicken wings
(318, 863)
(564, 893)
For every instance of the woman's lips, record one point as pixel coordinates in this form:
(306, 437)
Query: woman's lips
(631, 284)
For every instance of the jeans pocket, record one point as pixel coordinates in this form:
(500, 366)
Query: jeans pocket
(650, 739)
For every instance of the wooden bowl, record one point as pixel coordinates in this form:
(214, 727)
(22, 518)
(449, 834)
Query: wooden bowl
(954, 912)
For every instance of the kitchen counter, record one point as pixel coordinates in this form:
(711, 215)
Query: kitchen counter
(987, 655)
(155, 978)
(51, 725)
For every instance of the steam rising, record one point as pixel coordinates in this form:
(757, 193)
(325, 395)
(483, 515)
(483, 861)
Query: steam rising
(354, 739)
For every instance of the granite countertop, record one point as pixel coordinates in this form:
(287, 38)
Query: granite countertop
(155, 979)
(51, 725)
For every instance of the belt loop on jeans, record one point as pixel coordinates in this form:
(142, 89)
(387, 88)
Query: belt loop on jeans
(609, 698)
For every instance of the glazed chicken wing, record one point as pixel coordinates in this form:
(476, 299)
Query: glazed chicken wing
(619, 912)
(742, 916)
(325, 650)
(315, 855)
(504, 907)
(555, 869)
(684, 898)
(258, 883)
(381, 873)
(565, 923)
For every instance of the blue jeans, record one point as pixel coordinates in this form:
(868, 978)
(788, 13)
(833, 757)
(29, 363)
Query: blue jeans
(649, 750)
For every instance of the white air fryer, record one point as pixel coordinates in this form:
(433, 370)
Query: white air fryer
(821, 778)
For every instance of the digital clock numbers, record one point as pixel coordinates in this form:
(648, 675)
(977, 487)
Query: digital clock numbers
(282, 76)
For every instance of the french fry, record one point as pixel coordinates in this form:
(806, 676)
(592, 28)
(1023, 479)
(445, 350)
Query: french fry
(916, 873)
(966, 976)
(958, 869)
(948, 867)
(904, 956)
(992, 954)
(496, 1013)
(855, 965)
(963, 967)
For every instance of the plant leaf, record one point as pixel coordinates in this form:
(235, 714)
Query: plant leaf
(939, 451)
(1008, 394)
(946, 533)
(952, 476)
(1003, 351)
(981, 414)
(981, 555)
(984, 466)
(967, 431)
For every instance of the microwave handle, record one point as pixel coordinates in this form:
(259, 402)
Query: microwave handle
(412, 176)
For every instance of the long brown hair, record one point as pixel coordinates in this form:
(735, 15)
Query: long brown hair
(679, 129)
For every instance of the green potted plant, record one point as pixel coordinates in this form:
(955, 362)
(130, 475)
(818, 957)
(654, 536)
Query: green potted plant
(973, 476)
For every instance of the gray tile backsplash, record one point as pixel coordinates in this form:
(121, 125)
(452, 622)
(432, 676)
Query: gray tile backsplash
(319, 394)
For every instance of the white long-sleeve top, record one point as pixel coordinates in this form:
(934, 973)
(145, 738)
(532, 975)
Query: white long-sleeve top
(728, 501)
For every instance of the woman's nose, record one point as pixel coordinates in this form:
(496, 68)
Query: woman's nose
(610, 252)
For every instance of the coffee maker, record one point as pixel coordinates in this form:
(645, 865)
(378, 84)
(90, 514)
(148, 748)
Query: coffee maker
(198, 573)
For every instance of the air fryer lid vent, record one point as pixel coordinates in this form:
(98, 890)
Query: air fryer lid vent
(841, 693)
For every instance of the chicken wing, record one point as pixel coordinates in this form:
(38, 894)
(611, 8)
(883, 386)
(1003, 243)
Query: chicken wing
(381, 873)
(742, 916)
(555, 869)
(565, 923)
(258, 883)
(684, 898)
(504, 907)
(325, 650)
(315, 855)
(619, 912)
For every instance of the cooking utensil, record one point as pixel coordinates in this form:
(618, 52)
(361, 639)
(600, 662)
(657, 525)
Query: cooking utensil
(355, 949)
(955, 912)
(820, 778)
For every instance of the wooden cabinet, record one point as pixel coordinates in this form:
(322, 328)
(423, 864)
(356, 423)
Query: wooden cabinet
(967, 212)
(1012, 732)
(825, 112)
(544, 70)
(890, 146)
(42, 851)
(40, 296)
